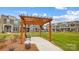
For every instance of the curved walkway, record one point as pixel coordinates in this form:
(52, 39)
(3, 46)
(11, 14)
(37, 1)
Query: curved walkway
(44, 45)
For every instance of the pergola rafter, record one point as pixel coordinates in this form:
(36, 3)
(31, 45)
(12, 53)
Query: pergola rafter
(32, 20)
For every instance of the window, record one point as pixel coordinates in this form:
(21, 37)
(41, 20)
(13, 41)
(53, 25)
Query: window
(72, 24)
(11, 21)
(8, 20)
(5, 21)
(77, 24)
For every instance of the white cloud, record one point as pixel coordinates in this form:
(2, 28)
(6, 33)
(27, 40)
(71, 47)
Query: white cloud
(22, 12)
(69, 16)
(61, 8)
(45, 15)
(57, 17)
(34, 14)
(72, 15)
(73, 12)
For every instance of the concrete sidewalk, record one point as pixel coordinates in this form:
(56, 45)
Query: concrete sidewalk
(44, 45)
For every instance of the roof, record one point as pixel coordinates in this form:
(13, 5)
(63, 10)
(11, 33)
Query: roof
(32, 20)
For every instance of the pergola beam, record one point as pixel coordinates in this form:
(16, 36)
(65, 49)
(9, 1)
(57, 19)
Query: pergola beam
(35, 20)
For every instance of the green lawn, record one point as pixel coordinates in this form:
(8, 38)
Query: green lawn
(8, 36)
(68, 41)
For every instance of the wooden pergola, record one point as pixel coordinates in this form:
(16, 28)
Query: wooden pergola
(32, 20)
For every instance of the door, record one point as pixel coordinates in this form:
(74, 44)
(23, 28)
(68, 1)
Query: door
(7, 28)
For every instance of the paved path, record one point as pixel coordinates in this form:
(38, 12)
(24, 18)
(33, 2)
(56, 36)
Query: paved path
(44, 45)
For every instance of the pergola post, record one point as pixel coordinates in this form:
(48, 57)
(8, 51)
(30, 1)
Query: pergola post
(25, 29)
(22, 34)
(40, 31)
(49, 29)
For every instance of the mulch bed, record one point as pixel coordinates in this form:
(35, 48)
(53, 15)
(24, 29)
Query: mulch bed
(17, 47)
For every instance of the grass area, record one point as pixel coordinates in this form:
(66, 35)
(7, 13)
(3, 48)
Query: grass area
(6, 36)
(68, 41)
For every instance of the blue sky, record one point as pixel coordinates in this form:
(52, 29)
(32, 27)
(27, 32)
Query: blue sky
(57, 13)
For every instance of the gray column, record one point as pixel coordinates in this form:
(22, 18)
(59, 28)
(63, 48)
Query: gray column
(77, 29)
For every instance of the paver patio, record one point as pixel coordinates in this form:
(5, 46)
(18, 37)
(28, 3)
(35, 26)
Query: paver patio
(44, 45)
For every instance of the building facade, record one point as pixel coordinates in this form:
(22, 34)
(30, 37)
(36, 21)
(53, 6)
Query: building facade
(72, 26)
(8, 24)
